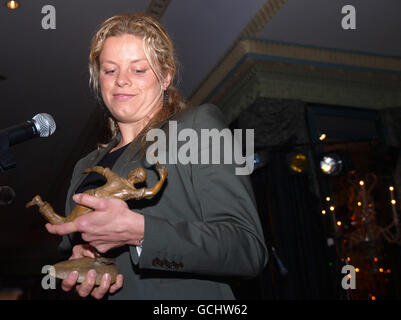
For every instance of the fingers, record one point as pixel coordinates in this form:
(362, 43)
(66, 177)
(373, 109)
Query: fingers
(101, 248)
(89, 201)
(100, 291)
(118, 284)
(77, 224)
(61, 229)
(82, 250)
(68, 283)
(87, 286)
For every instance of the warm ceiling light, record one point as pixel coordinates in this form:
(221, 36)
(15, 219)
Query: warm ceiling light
(331, 164)
(12, 4)
(298, 162)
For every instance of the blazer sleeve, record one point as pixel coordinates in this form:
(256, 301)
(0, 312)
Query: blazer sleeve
(228, 240)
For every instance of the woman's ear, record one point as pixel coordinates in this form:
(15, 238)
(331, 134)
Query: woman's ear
(167, 81)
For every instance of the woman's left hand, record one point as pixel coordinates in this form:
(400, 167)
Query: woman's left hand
(111, 224)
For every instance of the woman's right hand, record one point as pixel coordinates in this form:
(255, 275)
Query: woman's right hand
(88, 286)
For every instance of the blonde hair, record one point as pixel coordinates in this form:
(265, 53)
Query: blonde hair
(160, 53)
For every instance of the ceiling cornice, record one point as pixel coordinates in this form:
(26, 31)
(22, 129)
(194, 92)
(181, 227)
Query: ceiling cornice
(261, 18)
(157, 7)
(252, 29)
(263, 49)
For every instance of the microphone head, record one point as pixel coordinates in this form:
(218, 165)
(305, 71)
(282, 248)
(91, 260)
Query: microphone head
(45, 124)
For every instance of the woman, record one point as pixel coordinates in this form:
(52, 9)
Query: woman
(202, 228)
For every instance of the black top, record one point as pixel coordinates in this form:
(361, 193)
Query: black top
(95, 180)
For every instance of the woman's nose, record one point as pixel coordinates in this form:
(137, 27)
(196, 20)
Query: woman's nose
(123, 80)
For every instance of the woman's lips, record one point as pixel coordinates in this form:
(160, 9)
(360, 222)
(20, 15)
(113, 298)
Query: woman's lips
(122, 96)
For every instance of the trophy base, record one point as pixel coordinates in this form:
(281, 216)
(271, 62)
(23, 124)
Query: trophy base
(100, 264)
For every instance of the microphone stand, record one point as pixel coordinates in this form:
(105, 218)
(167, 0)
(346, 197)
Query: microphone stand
(281, 268)
(7, 160)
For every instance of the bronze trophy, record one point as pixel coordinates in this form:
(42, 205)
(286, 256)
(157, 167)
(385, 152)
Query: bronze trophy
(115, 187)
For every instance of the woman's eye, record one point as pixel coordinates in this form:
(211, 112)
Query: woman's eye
(109, 71)
(140, 71)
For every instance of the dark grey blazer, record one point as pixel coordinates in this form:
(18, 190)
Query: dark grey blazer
(201, 230)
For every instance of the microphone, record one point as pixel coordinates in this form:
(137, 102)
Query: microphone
(42, 125)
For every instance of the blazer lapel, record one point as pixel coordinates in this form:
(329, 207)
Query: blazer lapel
(94, 160)
(134, 152)
(129, 155)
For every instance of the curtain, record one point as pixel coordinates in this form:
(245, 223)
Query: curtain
(293, 227)
(287, 204)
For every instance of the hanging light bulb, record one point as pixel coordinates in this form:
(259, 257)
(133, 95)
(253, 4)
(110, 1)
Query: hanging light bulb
(12, 4)
(331, 164)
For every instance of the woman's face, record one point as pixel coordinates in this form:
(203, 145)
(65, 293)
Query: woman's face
(129, 87)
